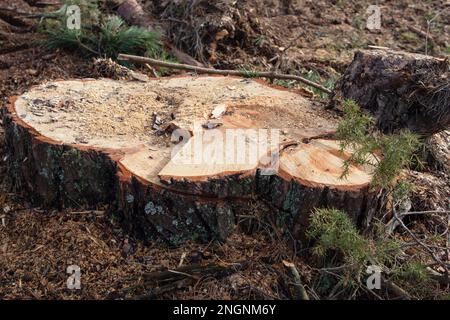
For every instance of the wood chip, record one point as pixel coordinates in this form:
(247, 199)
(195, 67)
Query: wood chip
(218, 111)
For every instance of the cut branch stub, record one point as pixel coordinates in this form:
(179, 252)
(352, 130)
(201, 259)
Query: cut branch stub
(95, 142)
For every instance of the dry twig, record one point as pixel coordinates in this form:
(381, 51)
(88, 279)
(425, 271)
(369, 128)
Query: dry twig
(269, 75)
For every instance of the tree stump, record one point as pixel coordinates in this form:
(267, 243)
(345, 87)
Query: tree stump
(402, 90)
(177, 158)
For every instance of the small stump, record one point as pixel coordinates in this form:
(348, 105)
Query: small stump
(402, 90)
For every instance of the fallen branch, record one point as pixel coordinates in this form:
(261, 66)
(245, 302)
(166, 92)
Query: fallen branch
(424, 212)
(160, 282)
(269, 75)
(391, 286)
(393, 223)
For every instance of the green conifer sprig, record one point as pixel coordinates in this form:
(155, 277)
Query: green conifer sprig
(387, 153)
(101, 36)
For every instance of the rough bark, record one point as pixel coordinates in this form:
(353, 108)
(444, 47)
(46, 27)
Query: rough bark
(53, 174)
(296, 202)
(402, 90)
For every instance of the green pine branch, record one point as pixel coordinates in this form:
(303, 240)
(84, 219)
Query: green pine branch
(107, 38)
(388, 154)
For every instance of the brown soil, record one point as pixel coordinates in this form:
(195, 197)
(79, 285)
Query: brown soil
(321, 35)
(36, 246)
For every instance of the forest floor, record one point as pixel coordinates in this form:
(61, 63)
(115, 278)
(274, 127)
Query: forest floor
(36, 245)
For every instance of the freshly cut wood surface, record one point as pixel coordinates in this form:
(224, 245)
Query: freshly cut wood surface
(118, 115)
(322, 162)
(92, 142)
